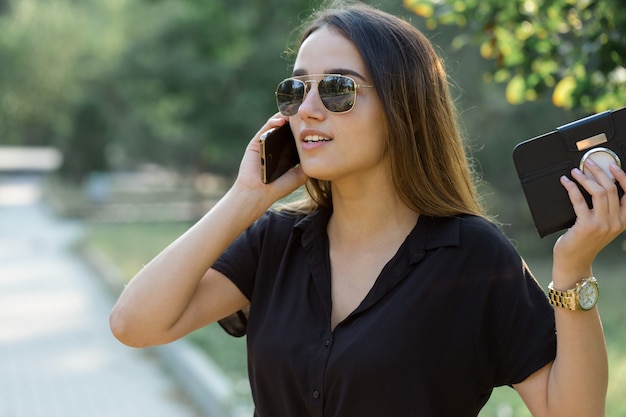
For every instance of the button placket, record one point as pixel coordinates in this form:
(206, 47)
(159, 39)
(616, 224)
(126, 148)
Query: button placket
(327, 341)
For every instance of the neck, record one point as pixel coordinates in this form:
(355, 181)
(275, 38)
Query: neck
(360, 214)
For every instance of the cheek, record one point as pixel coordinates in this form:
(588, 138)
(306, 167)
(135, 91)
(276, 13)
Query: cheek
(378, 132)
(378, 120)
(370, 125)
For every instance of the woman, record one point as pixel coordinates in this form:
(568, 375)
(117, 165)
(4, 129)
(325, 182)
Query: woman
(386, 291)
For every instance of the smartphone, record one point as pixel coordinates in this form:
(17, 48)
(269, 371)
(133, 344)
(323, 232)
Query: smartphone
(278, 153)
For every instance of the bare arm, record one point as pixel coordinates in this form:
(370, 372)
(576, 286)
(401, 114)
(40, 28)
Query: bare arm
(575, 384)
(177, 292)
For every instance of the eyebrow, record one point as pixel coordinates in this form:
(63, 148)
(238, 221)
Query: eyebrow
(341, 71)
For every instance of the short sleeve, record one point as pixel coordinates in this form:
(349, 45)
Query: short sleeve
(519, 319)
(253, 257)
(525, 327)
(239, 263)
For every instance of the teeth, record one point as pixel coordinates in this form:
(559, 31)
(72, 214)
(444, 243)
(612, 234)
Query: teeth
(316, 138)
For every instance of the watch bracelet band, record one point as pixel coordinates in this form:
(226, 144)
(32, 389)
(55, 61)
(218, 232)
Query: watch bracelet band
(566, 299)
(562, 299)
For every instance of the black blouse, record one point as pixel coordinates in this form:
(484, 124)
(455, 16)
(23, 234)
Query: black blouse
(453, 314)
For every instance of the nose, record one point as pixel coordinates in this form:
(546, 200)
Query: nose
(312, 106)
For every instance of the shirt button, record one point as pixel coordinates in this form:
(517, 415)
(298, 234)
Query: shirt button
(327, 342)
(316, 394)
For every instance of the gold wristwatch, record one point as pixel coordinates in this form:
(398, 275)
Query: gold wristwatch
(583, 297)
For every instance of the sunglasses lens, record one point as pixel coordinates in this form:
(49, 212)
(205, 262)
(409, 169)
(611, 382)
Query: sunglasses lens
(289, 96)
(338, 93)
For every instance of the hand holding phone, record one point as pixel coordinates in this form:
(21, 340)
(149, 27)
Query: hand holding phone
(278, 153)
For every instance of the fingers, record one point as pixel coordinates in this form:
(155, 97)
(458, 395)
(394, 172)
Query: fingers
(620, 177)
(608, 214)
(600, 186)
(595, 227)
(277, 120)
(575, 195)
(250, 168)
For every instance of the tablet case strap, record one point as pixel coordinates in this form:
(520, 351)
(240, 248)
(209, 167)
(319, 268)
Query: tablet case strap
(592, 128)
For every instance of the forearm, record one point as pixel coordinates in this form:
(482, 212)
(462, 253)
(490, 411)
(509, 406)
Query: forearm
(159, 294)
(579, 377)
(177, 292)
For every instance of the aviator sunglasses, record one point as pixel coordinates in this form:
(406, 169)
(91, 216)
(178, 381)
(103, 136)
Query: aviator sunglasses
(337, 92)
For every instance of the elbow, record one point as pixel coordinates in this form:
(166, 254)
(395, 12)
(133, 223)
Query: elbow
(123, 330)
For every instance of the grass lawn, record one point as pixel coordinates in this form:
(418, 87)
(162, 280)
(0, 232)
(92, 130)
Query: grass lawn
(130, 246)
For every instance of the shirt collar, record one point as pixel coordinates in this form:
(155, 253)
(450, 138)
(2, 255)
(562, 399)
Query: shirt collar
(312, 226)
(429, 232)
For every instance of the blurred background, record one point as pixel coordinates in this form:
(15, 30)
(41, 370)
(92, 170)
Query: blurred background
(128, 118)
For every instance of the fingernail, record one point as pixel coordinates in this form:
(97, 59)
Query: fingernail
(590, 162)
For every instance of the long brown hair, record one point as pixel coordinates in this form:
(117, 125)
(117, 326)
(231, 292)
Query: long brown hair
(428, 159)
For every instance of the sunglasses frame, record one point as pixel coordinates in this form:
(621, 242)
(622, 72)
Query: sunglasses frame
(306, 90)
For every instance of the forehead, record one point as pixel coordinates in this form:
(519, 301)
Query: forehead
(326, 49)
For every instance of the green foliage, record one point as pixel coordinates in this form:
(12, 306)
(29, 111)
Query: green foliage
(574, 48)
(37, 78)
(193, 93)
(117, 83)
(187, 83)
(53, 53)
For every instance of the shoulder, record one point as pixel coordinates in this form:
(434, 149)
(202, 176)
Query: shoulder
(467, 243)
(285, 227)
(478, 232)
(482, 242)
(276, 222)
(465, 231)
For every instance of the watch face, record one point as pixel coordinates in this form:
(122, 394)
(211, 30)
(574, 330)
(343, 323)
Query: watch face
(588, 296)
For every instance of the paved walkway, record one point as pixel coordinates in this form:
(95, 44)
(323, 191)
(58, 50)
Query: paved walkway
(57, 355)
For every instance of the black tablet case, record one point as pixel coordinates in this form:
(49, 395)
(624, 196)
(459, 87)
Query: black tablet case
(541, 161)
